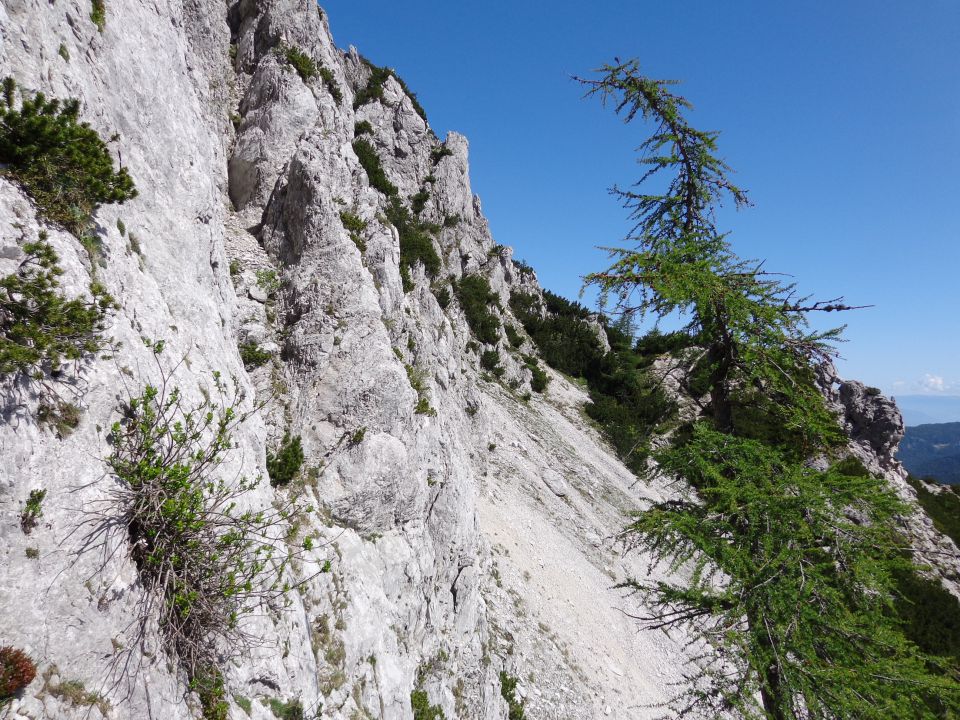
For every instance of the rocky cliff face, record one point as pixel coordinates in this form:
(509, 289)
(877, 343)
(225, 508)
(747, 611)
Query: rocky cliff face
(462, 527)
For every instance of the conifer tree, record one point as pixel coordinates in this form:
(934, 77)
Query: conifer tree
(786, 572)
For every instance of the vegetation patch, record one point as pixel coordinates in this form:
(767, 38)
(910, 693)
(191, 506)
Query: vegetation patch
(422, 709)
(252, 356)
(285, 463)
(362, 128)
(98, 14)
(301, 62)
(204, 561)
(374, 88)
(508, 691)
(330, 82)
(60, 416)
(439, 153)
(32, 511)
(476, 298)
(370, 161)
(490, 361)
(62, 163)
(416, 243)
(942, 507)
(16, 672)
(355, 226)
(286, 709)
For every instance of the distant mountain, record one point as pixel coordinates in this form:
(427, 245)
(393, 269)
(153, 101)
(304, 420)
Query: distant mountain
(932, 451)
(925, 409)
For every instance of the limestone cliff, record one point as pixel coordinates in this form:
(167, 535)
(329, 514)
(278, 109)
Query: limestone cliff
(463, 524)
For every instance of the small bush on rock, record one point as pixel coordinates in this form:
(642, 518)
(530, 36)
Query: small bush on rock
(476, 298)
(32, 511)
(252, 356)
(374, 88)
(40, 328)
(422, 709)
(508, 690)
(439, 153)
(363, 128)
(16, 671)
(370, 161)
(98, 14)
(490, 360)
(301, 62)
(284, 465)
(202, 560)
(61, 163)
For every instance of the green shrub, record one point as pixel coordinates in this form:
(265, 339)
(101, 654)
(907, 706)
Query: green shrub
(244, 704)
(540, 379)
(358, 436)
(289, 710)
(60, 162)
(513, 335)
(419, 201)
(60, 416)
(16, 671)
(490, 360)
(942, 507)
(370, 161)
(203, 563)
(98, 14)
(363, 128)
(374, 88)
(268, 281)
(32, 511)
(301, 62)
(523, 268)
(443, 297)
(235, 267)
(40, 328)
(451, 221)
(252, 356)
(422, 709)
(355, 226)
(330, 82)
(439, 153)
(63, 52)
(476, 298)
(284, 465)
(416, 245)
(508, 690)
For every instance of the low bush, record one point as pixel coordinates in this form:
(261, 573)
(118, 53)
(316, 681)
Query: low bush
(16, 671)
(203, 561)
(513, 335)
(252, 356)
(301, 62)
(330, 82)
(355, 226)
(60, 416)
(508, 691)
(476, 298)
(363, 128)
(374, 88)
(32, 511)
(98, 14)
(942, 507)
(419, 201)
(451, 221)
(287, 710)
(416, 244)
(443, 297)
(490, 360)
(370, 161)
(61, 163)
(285, 463)
(422, 709)
(439, 153)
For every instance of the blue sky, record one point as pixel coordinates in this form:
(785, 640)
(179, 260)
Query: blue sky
(842, 119)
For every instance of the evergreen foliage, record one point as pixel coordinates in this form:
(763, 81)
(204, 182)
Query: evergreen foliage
(40, 329)
(416, 243)
(943, 507)
(373, 91)
(476, 299)
(363, 128)
(252, 356)
(371, 164)
(508, 691)
(301, 62)
(284, 464)
(791, 571)
(439, 153)
(32, 511)
(422, 709)
(98, 14)
(60, 162)
(490, 361)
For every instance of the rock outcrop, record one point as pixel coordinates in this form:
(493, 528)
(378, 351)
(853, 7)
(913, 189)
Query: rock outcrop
(461, 525)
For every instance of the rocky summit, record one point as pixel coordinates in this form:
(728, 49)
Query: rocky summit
(308, 253)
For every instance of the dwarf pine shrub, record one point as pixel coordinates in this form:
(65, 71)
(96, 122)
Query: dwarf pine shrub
(373, 90)
(301, 62)
(284, 464)
(476, 298)
(370, 161)
(62, 163)
(490, 361)
(40, 328)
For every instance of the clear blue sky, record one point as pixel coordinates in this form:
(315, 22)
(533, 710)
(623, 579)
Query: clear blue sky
(842, 119)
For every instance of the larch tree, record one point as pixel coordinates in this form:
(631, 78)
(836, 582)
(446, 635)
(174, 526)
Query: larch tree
(784, 574)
